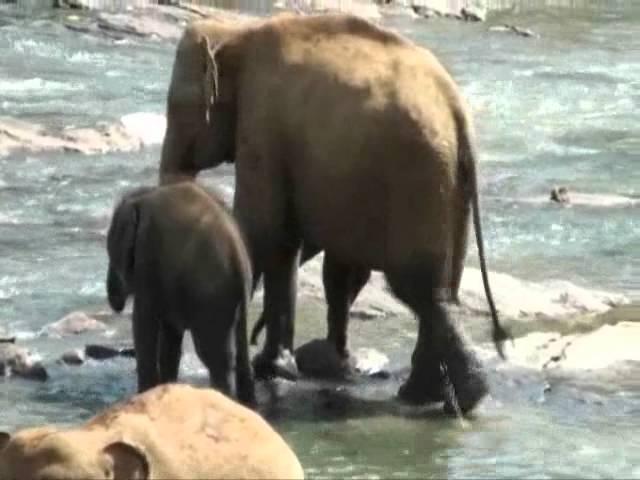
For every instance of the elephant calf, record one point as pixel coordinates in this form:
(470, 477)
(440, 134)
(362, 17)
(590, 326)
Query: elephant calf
(179, 252)
(171, 431)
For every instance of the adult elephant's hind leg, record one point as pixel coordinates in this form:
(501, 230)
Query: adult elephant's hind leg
(439, 347)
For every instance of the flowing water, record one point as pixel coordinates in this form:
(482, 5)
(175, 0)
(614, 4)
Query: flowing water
(562, 109)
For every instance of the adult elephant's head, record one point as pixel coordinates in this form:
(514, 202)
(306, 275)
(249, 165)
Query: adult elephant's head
(191, 144)
(121, 248)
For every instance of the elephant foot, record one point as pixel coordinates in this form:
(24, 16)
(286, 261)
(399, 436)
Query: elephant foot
(283, 365)
(466, 382)
(415, 392)
(421, 389)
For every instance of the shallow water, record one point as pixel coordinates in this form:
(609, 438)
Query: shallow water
(561, 109)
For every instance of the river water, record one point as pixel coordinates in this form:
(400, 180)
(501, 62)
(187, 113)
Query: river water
(561, 109)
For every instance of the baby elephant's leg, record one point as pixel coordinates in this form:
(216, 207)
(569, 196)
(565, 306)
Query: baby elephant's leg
(213, 339)
(169, 352)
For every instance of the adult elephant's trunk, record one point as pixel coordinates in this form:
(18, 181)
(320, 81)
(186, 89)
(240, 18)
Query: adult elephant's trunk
(467, 162)
(175, 164)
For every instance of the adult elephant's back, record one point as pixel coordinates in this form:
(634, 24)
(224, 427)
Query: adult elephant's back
(362, 133)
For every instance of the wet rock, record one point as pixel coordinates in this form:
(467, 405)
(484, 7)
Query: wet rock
(73, 357)
(476, 12)
(19, 362)
(7, 339)
(426, 12)
(74, 324)
(104, 352)
(319, 359)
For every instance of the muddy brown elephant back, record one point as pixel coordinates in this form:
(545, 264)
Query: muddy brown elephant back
(179, 252)
(393, 192)
(171, 431)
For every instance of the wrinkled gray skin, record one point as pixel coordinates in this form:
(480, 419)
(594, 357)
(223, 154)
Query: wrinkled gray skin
(178, 251)
(393, 192)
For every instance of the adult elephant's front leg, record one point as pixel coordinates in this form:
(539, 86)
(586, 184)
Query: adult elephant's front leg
(280, 286)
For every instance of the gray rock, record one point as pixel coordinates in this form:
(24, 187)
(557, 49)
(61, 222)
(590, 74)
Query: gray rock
(319, 359)
(474, 13)
(73, 357)
(19, 362)
(104, 352)
(426, 12)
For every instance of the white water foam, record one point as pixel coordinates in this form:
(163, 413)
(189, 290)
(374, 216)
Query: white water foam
(148, 127)
(38, 84)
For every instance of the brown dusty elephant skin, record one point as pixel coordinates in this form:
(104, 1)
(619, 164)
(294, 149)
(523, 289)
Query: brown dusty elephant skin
(171, 431)
(189, 142)
(179, 252)
(188, 139)
(392, 192)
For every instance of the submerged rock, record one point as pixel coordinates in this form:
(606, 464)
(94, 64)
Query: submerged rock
(74, 324)
(19, 362)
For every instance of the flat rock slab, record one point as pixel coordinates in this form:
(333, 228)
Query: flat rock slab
(319, 359)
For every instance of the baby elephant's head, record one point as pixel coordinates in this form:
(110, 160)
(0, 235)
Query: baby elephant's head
(47, 454)
(121, 247)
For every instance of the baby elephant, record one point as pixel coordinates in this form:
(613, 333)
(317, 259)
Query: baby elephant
(179, 252)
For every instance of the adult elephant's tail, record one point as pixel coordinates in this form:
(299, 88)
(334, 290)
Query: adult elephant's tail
(467, 161)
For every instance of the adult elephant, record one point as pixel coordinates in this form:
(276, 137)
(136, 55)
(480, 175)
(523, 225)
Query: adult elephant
(189, 145)
(355, 140)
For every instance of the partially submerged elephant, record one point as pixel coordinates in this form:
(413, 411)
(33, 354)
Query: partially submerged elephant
(189, 142)
(171, 431)
(179, 252)
(355, 140)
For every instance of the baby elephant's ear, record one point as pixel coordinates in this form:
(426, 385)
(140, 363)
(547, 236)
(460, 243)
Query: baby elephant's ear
(129, 461)
(5, 438)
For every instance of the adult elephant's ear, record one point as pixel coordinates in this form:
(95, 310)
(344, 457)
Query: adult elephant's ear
(210, 86)
(129, 461)
(5, 438)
